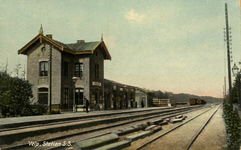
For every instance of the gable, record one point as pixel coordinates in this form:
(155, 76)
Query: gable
(39, 39)
(76, 48)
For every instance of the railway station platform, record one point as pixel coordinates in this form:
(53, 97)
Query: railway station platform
(92, 124)
(30, 120)
(17, 129)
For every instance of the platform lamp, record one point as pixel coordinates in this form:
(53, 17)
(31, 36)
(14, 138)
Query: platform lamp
(236, 73)
(74, 80)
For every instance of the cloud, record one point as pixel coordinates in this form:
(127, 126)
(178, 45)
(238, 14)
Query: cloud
(133, 16)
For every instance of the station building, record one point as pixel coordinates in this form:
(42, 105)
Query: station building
(121, 96)
(118, 95)
(141, 96)
(52, 77)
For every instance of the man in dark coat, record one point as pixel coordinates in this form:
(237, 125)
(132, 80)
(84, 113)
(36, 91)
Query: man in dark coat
(142, 104)
(87, 104)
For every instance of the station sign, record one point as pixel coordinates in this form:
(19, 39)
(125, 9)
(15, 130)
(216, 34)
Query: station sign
(96, 83)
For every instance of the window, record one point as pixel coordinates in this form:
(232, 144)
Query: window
(78, 70)
(66, 96)
(132, 95)
(43, 68)
(97, 71)
(79, 96)
(43, 49)
(66, 69)
(43, 96)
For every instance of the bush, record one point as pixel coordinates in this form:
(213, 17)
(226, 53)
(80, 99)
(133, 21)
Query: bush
(15, 96)
(233, 124)
(39, 110)
(54, 112)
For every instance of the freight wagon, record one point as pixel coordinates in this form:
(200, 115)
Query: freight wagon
(195, 101)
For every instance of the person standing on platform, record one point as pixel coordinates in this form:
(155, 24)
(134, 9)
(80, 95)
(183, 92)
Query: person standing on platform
(142, 104)
(87, 103)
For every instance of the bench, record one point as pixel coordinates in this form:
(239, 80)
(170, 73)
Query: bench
(80, 108)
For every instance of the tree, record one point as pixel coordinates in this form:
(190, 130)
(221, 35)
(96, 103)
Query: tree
(15, 96)
(160, 95)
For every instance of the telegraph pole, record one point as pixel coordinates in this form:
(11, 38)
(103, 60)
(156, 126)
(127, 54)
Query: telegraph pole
(228, 53)
(50, 78)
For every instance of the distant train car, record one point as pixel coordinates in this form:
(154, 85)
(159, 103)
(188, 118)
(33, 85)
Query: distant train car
(199, 101)
(162, 102)
(195, 101)
(203, 101)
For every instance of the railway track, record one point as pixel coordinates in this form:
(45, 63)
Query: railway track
(53, 120)
(201, 129)
(178, 133)
(17, 132)
(115, 122)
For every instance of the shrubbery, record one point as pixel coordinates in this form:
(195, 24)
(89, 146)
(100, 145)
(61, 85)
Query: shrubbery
(15, 94)
(232, 125)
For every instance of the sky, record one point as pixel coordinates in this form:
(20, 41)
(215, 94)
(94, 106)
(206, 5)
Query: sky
(169, 45)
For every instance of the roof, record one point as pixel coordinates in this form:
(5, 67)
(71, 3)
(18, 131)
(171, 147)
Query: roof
(117, 83)
(75, 48)
(140, 89)
(84, 46)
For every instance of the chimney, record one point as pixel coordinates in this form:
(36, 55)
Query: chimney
(80, 41)
(50, 36)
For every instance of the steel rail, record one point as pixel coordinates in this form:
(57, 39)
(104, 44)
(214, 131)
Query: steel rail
(65, 126)
(138, 113)
(73, 124)
(168, 131)
(201, 129)
(163, 115)
(8, 127)
(173, 112)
